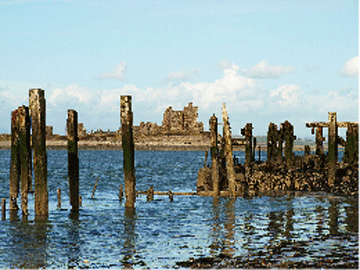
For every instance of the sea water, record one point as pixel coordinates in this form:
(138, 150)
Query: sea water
(160, 233)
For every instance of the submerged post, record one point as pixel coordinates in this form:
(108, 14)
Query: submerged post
(25, 156)
(126, 117)
(15, 161)
(213, 123)
(332, 147)
(3, 209)
(37, 110)
(73, 159)
(228, 152)
(59, 197)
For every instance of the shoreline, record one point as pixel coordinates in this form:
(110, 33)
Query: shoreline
(148, 146)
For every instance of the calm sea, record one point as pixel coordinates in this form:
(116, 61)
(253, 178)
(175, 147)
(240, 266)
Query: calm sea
(160, 233)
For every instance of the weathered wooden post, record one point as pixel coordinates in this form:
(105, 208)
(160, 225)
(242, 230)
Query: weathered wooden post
(93, 193)
(332, 148)
(73, 159)
(206, 156)
(306, 150)
(247, 132)
(171, 196)
(126, 117)
(319, 141)
(259, 152)
(271, 144)
(3, 209)
(279, 137)
(59, 197)
(288, 133)
(25, 156)
(37, 106)
(150, 194)
(351, 154)
(15, 161)
(254, 148)
(228, 152)
(213, 123)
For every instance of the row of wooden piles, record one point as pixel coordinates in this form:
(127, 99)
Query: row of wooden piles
(283, 168)
(28, 155)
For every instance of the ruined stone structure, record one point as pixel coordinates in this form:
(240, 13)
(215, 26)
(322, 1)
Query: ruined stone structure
(184, 121)
(81, 130)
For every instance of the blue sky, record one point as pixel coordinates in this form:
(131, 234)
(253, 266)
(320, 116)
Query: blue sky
(269, 61)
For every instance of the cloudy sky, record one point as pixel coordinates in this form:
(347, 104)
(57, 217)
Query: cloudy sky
(269, 61)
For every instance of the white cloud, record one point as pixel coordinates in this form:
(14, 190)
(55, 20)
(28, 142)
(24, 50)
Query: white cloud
(71, 93)
(183, 75)
(117, 73)
(351, 68)
(286, 96)
(263, 70)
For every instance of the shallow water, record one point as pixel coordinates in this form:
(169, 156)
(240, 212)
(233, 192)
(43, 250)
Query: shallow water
(160, 233)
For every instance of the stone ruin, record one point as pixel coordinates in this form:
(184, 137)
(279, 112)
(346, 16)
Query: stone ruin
(174, 122)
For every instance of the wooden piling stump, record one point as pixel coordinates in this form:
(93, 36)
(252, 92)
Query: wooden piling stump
(247, 132)
(171, 196)
(15, 161)
(351, 154)
(126, 117)
(319, 141)
(59, 197)
(73, 159)
(37, 106)
(332, 148)
(93, 193)
(150, 194)
(288, 134)
(25, 156)
(3, 209)
(307, 150)
(228, 152)
(213, 123)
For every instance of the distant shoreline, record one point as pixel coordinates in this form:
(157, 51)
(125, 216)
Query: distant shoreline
(113, 145)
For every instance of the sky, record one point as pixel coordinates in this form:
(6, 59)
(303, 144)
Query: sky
(268, 61)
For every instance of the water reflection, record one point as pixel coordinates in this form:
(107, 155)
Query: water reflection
(129, 234)
(74, 240)
(29, 244)
(223, 241)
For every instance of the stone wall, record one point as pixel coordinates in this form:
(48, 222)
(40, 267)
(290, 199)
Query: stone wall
(184, 121)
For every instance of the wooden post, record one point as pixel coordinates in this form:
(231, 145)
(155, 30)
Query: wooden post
(150, 194)
(25, 156)
(351, 154)
(319, 141)
(126, 117)
(171, 196)
(213, 123)
(247, 132)
(306, 150)
(3, 209)
(15, 161)
(59, 197)
(37, 110)
(73, 159)
(228, 152)
(288, 133)
(259, 152)
(206, 156)
(332, 148)
(271, 144)
(254, 148)
(93, 193)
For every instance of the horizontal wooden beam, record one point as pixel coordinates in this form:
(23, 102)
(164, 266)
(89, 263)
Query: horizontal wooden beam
(326, 124)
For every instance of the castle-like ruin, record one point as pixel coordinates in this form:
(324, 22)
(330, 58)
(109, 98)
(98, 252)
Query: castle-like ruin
(174, 122)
